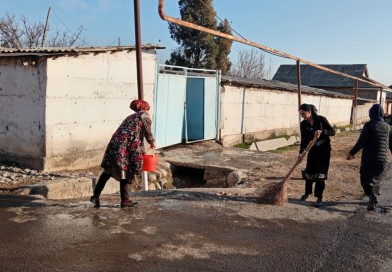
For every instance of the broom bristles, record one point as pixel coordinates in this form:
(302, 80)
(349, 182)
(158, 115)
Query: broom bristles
(274, 194)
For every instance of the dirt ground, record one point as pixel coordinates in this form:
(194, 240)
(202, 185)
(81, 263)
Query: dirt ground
(343, 177)
(342, 184)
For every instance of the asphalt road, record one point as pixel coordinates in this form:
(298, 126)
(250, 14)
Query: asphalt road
(193, 231)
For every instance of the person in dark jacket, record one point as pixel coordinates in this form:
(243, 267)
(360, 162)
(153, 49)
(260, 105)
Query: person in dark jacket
(375, 141)
(317, 165)
(388, 119)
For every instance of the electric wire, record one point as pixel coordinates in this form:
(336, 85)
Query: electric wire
(68, 29)
(232, 29)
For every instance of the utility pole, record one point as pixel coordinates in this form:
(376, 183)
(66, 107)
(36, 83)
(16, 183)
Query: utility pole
(139, 68)
(46, 28)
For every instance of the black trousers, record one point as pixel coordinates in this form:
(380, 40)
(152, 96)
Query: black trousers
(318, 188)
(102, 182)
(371, 175)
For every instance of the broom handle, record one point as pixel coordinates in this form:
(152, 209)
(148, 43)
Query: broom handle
(300, 158)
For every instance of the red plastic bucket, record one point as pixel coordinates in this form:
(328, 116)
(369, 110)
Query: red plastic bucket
(149, 162)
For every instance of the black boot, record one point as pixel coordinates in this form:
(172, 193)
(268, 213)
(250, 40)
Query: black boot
(95, 200)
(372, 204)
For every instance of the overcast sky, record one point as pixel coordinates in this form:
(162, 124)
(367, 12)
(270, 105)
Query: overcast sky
(323, 32)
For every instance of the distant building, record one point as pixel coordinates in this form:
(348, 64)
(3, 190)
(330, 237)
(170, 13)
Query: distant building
(314, 77)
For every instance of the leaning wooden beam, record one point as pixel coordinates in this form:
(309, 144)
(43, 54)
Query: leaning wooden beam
(262, 47)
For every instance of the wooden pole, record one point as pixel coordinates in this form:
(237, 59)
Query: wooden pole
(355, 103)
(46, 28)
(260, 46)
(299, 83)
(139, 68)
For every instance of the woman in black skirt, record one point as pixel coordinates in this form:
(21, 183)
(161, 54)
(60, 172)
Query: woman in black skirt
(319, 155)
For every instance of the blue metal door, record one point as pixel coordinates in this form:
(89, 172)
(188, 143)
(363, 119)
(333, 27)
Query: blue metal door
(194, 113)
(169, 109)
(186, 105)
(210, 108)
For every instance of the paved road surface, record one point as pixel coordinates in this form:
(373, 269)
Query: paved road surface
(193, 231)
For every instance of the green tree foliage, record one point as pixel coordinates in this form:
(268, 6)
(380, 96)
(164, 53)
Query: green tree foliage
(224, 48)
(199, 49)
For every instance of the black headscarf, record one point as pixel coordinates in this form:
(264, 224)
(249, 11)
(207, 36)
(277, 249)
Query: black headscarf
(376, 112)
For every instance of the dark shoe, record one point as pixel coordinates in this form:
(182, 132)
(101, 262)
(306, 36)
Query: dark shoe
(372, 204)
(319, 203)
(304, 197)
(95, 201)
(129, 203)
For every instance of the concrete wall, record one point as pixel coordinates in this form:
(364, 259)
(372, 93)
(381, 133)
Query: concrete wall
(59, 112)
(363, 113)
(22, 111)
(249, 114)
(88, 96)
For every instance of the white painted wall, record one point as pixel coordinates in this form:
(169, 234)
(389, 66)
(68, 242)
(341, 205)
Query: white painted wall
(88, 96)
(363, 113)
(22, 104)
(61, 113)
(254, 113)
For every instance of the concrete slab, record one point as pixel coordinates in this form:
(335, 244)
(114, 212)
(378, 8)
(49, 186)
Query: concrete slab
(65, 188)
(274, 143)
(230, 158)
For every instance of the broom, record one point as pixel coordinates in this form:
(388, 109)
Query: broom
(276, 193)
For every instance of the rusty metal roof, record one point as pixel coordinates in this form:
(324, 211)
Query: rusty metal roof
(55, 51)
(312, 76)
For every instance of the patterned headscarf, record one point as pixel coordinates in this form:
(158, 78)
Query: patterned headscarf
(139, 105)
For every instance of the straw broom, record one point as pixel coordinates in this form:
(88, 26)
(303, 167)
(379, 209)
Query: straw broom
(276, 193)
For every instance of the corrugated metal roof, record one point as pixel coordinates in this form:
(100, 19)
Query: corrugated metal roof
(55, 51)
(312, 76)
(279, 85)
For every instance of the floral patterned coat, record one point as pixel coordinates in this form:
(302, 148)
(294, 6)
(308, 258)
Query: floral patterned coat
(124, 154)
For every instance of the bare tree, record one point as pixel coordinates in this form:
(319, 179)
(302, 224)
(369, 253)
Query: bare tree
(20, 33)
(59, 39)
(10, 32)
(31, 32)
(250, 64)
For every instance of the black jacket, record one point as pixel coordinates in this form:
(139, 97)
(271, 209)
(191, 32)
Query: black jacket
(307, 131)
(376, 141)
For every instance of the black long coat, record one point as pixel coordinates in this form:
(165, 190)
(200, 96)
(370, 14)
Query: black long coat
(317, 163)
(376, 142)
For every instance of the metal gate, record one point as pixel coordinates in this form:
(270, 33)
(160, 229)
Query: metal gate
(186, 105)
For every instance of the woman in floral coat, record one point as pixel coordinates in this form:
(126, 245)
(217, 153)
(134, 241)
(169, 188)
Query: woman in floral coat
(123, 157)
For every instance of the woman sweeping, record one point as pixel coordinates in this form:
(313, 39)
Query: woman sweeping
(319, 155)
(123, 157)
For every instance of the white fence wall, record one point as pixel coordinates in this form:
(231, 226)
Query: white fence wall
(253, 113)
(363, 113)
(59, 113)
(87, 98)
(22, 118)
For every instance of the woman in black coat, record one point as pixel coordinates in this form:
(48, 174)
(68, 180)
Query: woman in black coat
(317, 165)
(375, 141)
